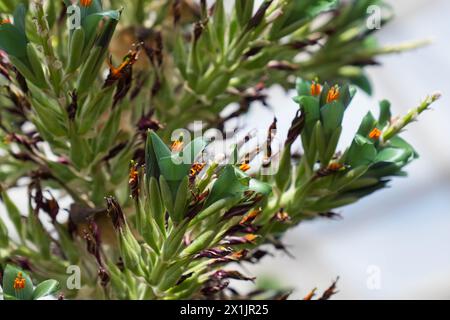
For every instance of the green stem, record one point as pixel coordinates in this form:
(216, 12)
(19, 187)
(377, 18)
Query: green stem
(398, 125)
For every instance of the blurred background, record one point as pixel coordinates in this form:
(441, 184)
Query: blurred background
(395, 243)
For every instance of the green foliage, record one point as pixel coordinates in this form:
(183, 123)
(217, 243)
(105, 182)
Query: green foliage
(72, 124)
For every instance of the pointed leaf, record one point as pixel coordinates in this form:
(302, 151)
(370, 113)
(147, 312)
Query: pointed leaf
(332, 115)
(171, 169)
(159, 147)
(361, 152)
(346, 95)
(151, 162)
(392, 155)
(227, 185)
(401, 143)
(19, 17)
(324, 94)
(310, 108)
(385, 113)
(180, 200)
(367, 124)
(260, 187)
(192, 150)
(46, 288)
(303, 87)
(13, 212)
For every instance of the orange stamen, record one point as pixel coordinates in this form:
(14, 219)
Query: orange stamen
(244, 167)
(196, 168)
(177, 146)
(133, 177)
(250, 237)
(237, 255)
(375, 134)
(5, 21)
(311, 294)
(116, 72)
(316, 89)
(85, 3)
(19, 282)
(335, 166)
(250, 217)
(333, 94)
(128, 60)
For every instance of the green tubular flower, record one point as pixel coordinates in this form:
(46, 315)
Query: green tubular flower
(363, 168)
(323, 109)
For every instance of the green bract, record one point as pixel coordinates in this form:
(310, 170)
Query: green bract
(17, 285)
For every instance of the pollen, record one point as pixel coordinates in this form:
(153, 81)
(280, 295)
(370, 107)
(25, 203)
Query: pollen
(244, 167)
(250, 237)
(237, 255)
(177, 145)
(375, 134)
(196, 168)
(5, 21)
(19, 282)
(282, 216)
(333, 94)
(133, 177)
(250, 217)
(316, 89)
(335, 166)
(116, 73)
(85, 3)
